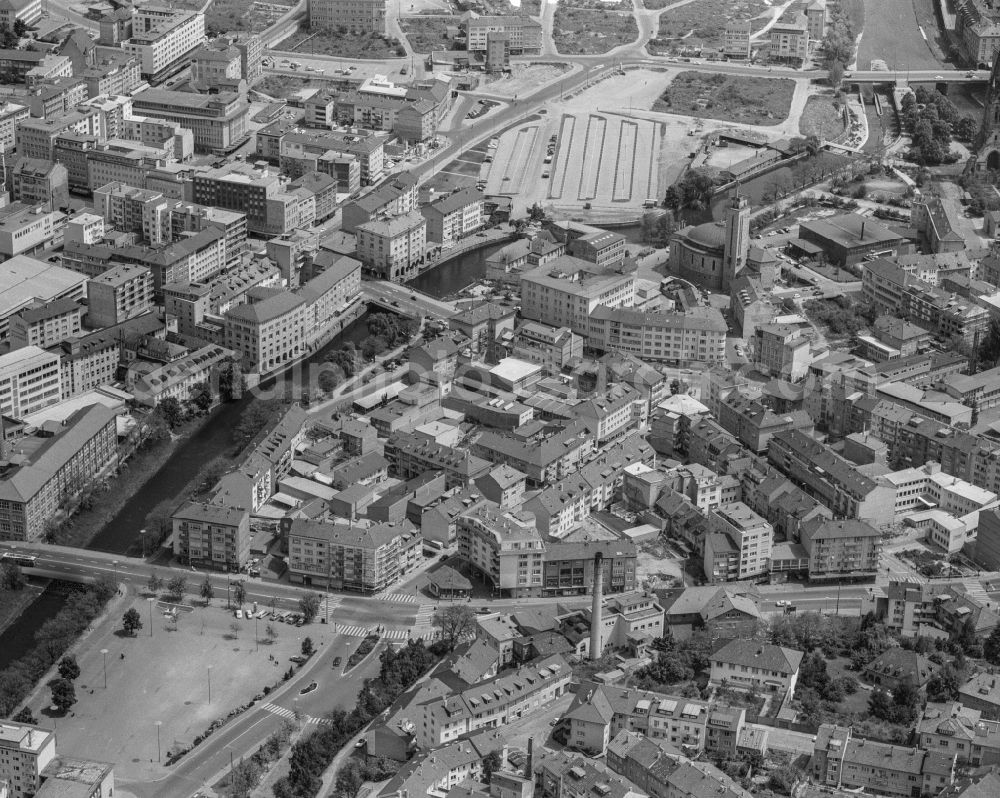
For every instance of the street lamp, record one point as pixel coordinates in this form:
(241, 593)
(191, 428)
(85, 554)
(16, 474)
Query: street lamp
(150, 601)
(158, 724)
(256, 635)
(104, 653)
(114, 563)
(142, 534)
(209, 684)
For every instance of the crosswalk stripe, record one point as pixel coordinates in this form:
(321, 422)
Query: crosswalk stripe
(399, 598)
(285, 713)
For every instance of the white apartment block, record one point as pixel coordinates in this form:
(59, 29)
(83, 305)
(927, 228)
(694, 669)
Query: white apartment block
(29, 381)
(367, 16)
(927, 487)
(523, 34)
(25, 750)
(565, 291)
(789, 41)
(28, 11)
(269, 333)
(752, 535)
(454, 217)
(675, 338)
(162, 36)
(10, 115)
(393, 248)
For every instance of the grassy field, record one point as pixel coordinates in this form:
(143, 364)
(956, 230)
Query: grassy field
(822, 118)
(731, 98)
(427, 33)
(706, 20)
(284, 86)
(344, 45)
(892, 33)
(584, 31)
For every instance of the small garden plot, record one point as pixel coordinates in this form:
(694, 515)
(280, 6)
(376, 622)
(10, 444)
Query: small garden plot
(585, 31)
(731, 98)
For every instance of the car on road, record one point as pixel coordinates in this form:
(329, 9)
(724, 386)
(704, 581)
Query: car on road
(337, 661)
(782, 603)
(395, 303)
(298, 659)
(308, 688)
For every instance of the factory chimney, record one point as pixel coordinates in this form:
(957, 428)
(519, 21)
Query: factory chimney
(530, 763)
(596, 649)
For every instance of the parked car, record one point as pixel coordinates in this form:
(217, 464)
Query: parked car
(337, 661)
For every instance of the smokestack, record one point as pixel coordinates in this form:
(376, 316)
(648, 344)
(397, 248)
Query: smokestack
(530, 763)
(596, 649)
(863, 222)
(4, 445)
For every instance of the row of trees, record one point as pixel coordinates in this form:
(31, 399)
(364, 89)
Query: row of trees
(933, 120)
(312, 755)
(52, 639)
(839, 42)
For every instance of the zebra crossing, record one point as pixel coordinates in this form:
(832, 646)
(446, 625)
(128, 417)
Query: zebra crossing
(353, 631)
(276, 710)
(425, 616)
(364, 631)
(399, 598)
(290, 715)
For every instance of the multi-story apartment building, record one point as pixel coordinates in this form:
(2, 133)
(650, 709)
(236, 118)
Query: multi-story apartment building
(25, 751)
(213, 536)
(754, 424)
(553, 348)
(163, 38)
(83, 449)
(830, 478)
(11, 115)
(603, 248)
(781, 350)
(28, 228)
(737, 39)
(359, 16)
(752, 665)
(977, 25)
(675, 338)
(522, 33)
(14, 11)
(393, 248)
(749, 534)
(366, 559)
(454, 217)
(268, 333)
(566, 292)
(46, 323)
(843, 761)
(493, 703)
(29, 380)
(122, 292)
(151, 383)
(218, 121)
(113, 73)
(504, 547)
(951, 728)
(544, 455)
(789, 40)
(301, 151)
(270, 205)
(36, 182)
(599, 713)
(212, 65)
(846, 549)
(410, 455)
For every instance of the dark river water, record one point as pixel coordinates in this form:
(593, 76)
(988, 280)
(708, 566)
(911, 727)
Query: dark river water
(212, 439)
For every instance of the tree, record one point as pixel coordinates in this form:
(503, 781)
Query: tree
(68, 669)
(491, 764)
(943, 685)
(373, 346)
(231, 382)
(20, 28)
(201, 395)
(234, 629)
(836, 74)
(349, 779)
(11, 577)
(254, 419)
(131, 621)
(207, 591)
(154, 584)
(309, 606)
(63, 694)
(25, 716)
(177, 586)
(328, 381)
(239, 593)
(172, 411)
(455, 623)
(271, 632)
(307, 647)
(991, 647)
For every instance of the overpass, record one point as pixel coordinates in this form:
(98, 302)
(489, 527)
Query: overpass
(907, 76)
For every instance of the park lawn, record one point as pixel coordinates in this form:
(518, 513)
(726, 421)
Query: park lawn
(427, 33)
(730, 98)
(584, 31)
(706, 20)
(821, 118)
(343, 45)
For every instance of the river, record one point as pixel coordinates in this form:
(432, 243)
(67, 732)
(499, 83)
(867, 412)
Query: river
(212, 439)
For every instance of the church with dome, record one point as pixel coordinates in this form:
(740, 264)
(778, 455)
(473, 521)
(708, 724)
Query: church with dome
(711, 255)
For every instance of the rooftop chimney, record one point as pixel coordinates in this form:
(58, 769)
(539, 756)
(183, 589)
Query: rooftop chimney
(596, 649)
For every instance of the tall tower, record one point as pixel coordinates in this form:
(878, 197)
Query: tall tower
(596, 645)
(734, 255)
(987, 141)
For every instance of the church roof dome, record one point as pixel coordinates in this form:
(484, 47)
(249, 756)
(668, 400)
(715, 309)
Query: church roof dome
(710, 234)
